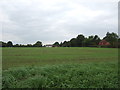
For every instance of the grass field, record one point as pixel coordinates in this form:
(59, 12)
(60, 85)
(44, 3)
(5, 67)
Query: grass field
(60, 67)
(48, 56)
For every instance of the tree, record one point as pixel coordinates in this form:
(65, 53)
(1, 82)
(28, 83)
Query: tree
(119, 43)
(29, 45)
(61, 44)
(112, 38)
(4, 44)
(96, 40)
(90, 41)
(38, 44)
(56, 44)
(73, 42)
(80, 38)
(16, 45)
(64, 44)
(9, 44)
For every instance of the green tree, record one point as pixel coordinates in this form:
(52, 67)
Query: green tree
(96, 40)
(80, 38)
(73, 42)
(61, 44)
(38, 44)
(56, 44)
(29, 45)
(90, 41)
(112, 38)
(9, 44)
(119, 43)
(64, 44)
(16, 45)
(4, 44)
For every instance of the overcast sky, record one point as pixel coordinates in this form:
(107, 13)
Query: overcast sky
(28, 21)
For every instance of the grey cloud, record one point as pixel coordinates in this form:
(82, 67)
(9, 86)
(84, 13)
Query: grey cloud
(32, 21)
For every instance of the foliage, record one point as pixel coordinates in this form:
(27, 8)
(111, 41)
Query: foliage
(9, 44)
(79, 41)
(56, 44)
(112, 38)
(92, 41)
(38, 44)
(80, 38)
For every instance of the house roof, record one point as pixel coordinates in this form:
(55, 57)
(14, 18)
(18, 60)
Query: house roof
(104, 42)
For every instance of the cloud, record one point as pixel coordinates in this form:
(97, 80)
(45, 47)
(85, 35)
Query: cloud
(26, 21)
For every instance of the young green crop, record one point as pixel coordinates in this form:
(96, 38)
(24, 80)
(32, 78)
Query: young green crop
(89, 75)
(14, 57)
(68, 67)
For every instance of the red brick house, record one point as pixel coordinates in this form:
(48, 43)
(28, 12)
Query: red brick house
(104, 43)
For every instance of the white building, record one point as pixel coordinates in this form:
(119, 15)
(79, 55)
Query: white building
(49, 45)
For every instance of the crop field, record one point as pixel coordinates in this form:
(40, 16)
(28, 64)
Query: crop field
(60, 67)
(48, 56)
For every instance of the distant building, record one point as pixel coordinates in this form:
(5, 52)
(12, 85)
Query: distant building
(49, 45)
(104, 43)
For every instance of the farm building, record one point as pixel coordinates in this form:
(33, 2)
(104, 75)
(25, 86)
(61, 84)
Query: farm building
(104, 43)
(49, 45)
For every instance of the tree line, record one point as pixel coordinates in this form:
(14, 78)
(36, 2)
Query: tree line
(91, 41)
(79, 41)
(10, 44)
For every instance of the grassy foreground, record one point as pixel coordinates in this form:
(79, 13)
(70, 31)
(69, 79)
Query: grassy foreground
(60, 67)
(90, 75)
